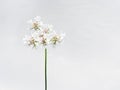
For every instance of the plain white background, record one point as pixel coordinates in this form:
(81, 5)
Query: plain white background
(87, 60)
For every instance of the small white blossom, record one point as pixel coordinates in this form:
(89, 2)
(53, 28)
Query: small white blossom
(35, 24)
(47, 28)
(32, 40)
(44, 41)
(56, 38)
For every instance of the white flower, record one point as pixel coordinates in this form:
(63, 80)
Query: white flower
(32, 40)
(36, 23)
(47, 28)
(56, 38)
(44, 41)
(43, 38)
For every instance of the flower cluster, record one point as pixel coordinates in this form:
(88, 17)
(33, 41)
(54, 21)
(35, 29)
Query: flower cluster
(42, 34)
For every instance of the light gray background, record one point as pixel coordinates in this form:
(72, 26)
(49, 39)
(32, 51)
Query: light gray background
(87, 60)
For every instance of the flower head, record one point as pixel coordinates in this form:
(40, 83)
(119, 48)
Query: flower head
(43, 34)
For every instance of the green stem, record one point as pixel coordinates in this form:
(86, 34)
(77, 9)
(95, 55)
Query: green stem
(45, 68)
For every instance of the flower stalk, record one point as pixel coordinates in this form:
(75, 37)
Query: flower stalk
(45, 68)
